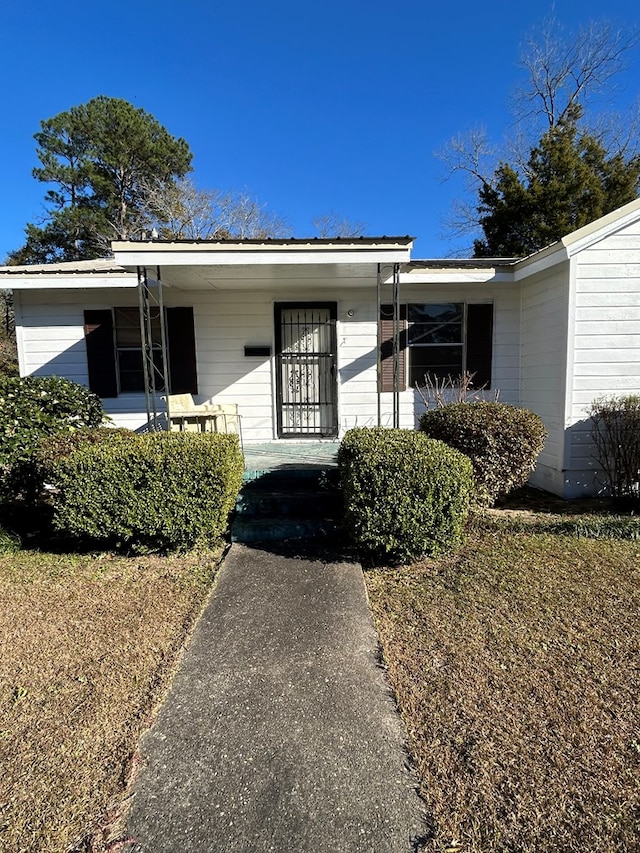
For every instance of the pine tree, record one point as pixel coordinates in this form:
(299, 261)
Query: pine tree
(100, 157)
(568, 181)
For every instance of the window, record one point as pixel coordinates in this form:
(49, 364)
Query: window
(437, 339)
(114, 351)
(129, 350)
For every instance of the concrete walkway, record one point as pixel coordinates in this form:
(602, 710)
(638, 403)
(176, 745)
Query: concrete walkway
(279, 733)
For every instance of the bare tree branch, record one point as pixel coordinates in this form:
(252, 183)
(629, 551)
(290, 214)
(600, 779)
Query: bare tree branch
(618, 132)
(470, 154)
(333, 225)
(182, 211)
(564, 70)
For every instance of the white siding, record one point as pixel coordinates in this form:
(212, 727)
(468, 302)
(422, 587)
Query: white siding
(52, 342)
(607, 342)
(51, 336)
(543, 366)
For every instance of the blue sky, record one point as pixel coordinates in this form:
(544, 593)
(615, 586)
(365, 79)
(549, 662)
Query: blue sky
(312, 108)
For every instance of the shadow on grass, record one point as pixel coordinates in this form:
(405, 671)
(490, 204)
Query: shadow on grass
(530, 510)
(29, 526)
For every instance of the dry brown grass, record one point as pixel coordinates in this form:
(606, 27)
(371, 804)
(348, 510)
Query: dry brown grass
(87, 646)
(516, 667)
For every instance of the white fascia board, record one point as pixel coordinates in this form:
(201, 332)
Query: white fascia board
(541, 261)
(603, 227)
(579, 240)
(596, 231)
(66, 282)
(165, 256)
(455, 276)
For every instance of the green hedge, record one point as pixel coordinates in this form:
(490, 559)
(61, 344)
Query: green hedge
(52, 448)
(502, 441)
(154, 492)
(34, 471)
(33, 407)
(405, 495)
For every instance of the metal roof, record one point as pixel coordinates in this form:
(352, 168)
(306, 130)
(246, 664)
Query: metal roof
(275, 241)
(97, 266)
(461, 263)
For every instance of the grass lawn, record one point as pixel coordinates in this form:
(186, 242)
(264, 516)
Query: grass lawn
(87, 647)
(516, 664)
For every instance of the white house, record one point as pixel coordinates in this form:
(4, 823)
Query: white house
(300, 333)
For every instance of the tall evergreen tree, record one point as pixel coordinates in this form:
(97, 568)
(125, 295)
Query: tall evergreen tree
(562, 169)
(568, 181)
(100, 157)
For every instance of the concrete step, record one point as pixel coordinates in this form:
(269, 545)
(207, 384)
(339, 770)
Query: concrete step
(293, 475)
(256, 530)
(291, 503)
(287, 503)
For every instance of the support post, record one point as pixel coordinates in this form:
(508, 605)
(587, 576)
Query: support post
(396, 345)
(155, 377)
(379, 339)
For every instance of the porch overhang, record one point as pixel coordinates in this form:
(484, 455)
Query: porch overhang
(295, 251)
(67, 275)
(248, 264)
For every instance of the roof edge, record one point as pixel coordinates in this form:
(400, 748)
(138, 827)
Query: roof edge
(267, 241)
(99, 266)
(461, 263)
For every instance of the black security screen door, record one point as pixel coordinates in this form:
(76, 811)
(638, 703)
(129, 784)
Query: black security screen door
(306, 365)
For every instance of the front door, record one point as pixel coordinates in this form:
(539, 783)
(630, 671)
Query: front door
(306, 369)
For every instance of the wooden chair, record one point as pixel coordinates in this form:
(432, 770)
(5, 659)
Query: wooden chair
(185, 415)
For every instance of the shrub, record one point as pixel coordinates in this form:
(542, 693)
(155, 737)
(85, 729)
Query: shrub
(616, 435)
(502, 441)
(31, 473)
(155, 492)
(405, 495)
(52, 448)
(9, 542)
(31, 408)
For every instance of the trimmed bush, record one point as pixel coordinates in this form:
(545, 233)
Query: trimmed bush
(154, 492)
(616, 435)
(52, 448)
(405, 495)
(502, 441)
(33, 407)
(32, 473)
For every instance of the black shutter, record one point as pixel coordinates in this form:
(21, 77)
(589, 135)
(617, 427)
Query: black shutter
(480, 343)
(101, 356)
(181, 343)
(386, 348)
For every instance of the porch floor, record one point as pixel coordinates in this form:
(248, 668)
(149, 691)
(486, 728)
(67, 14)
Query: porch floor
(289, 455)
